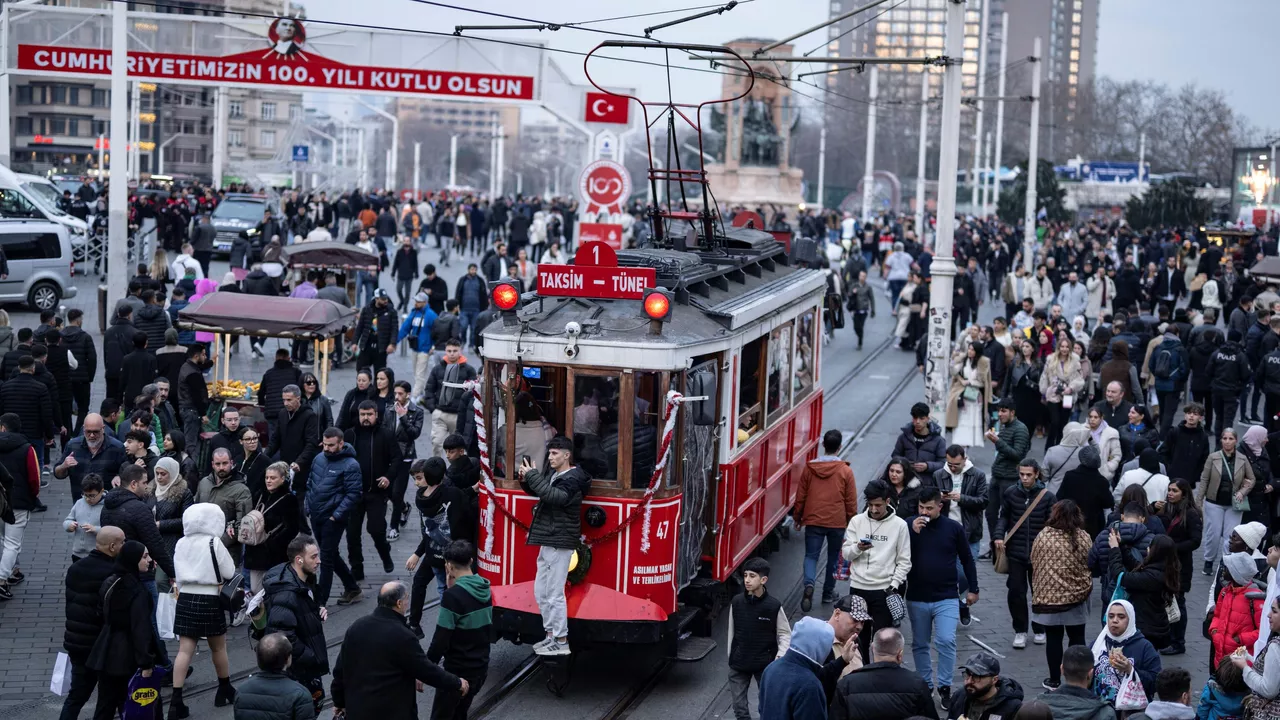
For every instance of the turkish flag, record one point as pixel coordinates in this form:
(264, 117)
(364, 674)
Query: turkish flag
(605, 108)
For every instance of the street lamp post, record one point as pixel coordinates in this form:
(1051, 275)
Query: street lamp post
(1033, 165)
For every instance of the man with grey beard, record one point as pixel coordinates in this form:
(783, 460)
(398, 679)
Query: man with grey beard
(93, 451)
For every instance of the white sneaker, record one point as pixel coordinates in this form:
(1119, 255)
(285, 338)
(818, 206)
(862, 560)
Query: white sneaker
(538, 646)
(1019, 641)
(554, 648)
(1038, 638)
(393, 535)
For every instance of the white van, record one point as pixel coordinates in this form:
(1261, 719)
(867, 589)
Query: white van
(26, 196)
(38, 253)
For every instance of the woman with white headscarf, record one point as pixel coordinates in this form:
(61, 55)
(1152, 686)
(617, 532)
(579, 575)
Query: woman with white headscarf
(1121, 649)
(172, 497)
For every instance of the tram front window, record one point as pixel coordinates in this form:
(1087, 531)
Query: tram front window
(535, 397)
(596, 400)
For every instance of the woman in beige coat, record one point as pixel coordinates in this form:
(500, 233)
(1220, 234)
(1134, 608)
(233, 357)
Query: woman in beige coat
(1225, 482)
(1060, 384)
(968, 419)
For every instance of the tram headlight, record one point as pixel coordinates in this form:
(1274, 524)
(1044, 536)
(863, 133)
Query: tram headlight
(505, 296)
(657, 304)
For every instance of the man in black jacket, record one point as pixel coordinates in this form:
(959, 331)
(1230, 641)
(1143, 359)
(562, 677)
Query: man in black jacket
(58, 363)
(883, 689)
(228, 437)
(152, 320)
(9, 365)
(84, 614)
(193, 396)
(116, 343)
(28, 398)
(376, 331)
(293, 611)
(129, 507)
(435, 287)
(137, 370)
(1229, 372)
(1023, 497)
(379, 456)
(381, 661)
(295, 436)
(1186, 447)
(80, 345)
(405, 420)
(986, 694)
(281, 374)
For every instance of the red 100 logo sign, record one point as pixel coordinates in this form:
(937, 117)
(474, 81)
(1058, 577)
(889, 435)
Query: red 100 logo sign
(605, 185)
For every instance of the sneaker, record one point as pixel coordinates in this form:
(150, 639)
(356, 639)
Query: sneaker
(828, 599)
(1051, 684)
(393, 534)
(542, 644)
(1019, 640)
(40, 507)
(1038, 638)
(353, 596)
(239, 617)
(17, 577)
(1173, 650)
(806, 603)
(5, 592)
(985, 556)
(944, 694)
(1208, 567)
(43, 483)
(965, 617)
(554, 648)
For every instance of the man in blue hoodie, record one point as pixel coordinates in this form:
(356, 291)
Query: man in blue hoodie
(417, 328)
(790, 688)
(334, 488)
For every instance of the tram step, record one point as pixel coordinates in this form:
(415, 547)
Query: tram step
(693, 648)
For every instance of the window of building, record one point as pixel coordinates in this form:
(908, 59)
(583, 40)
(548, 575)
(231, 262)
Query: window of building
(751, 377)
(73, 127)
(1071, 78)
(295, 112)
(1075, 29)
(267, 138)
(235, 138)
(268, 111)
(58, 126)
(1075, 17)
(73, 96)
(235, 109)
(24, 126)
(59, 94)
(1075, 55)
(99, 127)
(24, 95)
(101, 98)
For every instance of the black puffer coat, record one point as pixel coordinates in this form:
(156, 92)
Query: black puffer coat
(84, 608)
(116, 343)
(292, 610)
(130, 643)
(135, 517)
(273, 696)
(27, 397)
(80, 343)
(348, 413)
(1186, 534)
(1202, 349)
(280, 510)
(557, 518)
(152, 320)
(169, 512)
(1147, 593)
(282, 373)
(882, 690)
(1016, 501)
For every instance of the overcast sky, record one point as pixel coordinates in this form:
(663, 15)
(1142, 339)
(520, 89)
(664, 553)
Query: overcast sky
(1228, 44)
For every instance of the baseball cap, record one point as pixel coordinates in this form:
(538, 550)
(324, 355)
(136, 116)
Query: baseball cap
(420, 297)
(855, 606)
(381, 293)
(981, 664)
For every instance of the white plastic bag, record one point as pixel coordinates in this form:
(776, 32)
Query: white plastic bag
(60, 684)
(1131, 695)
(166, 609)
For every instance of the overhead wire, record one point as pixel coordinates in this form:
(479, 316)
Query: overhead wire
(855, 27)
(651, 14)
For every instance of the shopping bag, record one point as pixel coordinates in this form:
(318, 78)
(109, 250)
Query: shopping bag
(143, 701)
(1131, 695)
(166, 609)
(842, 569)
(60, 684)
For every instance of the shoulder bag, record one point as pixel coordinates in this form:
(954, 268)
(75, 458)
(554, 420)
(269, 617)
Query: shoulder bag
(1001, 560)
(231, 594)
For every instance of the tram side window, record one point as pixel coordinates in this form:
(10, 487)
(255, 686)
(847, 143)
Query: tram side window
(647, 428)
(596, 400)
(780, 370)
(750, 390)
(804, 368)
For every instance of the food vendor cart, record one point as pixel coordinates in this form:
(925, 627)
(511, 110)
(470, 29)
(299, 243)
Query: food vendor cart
(331, 255)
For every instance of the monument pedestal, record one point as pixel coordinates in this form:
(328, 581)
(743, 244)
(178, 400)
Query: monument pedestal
(752, 186)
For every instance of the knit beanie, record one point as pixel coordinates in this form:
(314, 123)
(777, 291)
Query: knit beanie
(1241, 567)
(1090, 457)
(1252, 534)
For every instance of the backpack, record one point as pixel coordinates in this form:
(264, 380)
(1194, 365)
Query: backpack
(253, 526)
(1164, 363)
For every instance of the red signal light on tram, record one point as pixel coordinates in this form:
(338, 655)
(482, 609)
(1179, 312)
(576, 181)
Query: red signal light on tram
(505, 297)
(657, 304)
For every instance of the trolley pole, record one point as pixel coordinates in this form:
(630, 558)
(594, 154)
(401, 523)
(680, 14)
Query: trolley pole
(118, 197)
(868, 176)
(1004, 66)
(923, 153)
(975, 192)
(1033, 165)
(417, 162)
(943, 269)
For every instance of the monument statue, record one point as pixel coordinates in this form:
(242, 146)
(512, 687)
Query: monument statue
(760, 138)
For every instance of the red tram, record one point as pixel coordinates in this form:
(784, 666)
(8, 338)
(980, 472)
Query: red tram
(716, 314)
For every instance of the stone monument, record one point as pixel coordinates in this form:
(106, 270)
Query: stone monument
(753, 168)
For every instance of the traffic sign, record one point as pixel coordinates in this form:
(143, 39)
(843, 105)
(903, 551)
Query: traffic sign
(606, 145)
(608, 233)
(604, 185)
(301, 153)
(595, 274)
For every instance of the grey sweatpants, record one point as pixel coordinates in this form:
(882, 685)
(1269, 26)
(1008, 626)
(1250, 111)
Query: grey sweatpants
(548, 590)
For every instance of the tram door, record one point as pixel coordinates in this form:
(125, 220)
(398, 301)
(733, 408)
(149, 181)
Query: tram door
(699, 457)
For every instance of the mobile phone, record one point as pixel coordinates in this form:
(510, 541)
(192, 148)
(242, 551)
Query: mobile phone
(527, 459)
(866, 540)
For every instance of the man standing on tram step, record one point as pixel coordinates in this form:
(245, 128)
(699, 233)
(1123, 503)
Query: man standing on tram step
(333, 491)
(877, 545)
(921, 443)
(378, 454)
(442, 399)
(555, 528)
(1012, 441)
(826, 501)
(376, 331)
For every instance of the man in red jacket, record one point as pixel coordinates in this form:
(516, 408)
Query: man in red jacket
(827, 498)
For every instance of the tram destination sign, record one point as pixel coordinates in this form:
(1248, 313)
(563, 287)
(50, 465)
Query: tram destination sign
(595, 274)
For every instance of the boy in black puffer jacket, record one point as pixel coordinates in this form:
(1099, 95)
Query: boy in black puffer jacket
(444, 512)
(464, 630)
(1019, 499)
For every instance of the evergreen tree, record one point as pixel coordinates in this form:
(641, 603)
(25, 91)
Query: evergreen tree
(1050, 196)
(1172, 204)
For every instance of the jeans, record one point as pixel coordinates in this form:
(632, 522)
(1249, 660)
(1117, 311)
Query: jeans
(962, 585)
(1053, 647)
(881, 618)
(418, 594)
(740, 691)
(450, 705)
(12, 534)
(1018, 582)
(328, 534)
(1219, 522)
(83, 681)
(366, 283)
(374, 506)
(895, 287)
(936, 622)
(548, 590)
(814, 537)
(467, 326)
(404, 291)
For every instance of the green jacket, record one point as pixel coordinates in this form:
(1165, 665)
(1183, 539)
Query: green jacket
(557, 518)
(1011, 447)
(233, 497)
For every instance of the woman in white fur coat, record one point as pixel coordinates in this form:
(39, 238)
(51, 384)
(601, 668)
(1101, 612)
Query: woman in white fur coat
(199, 613)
